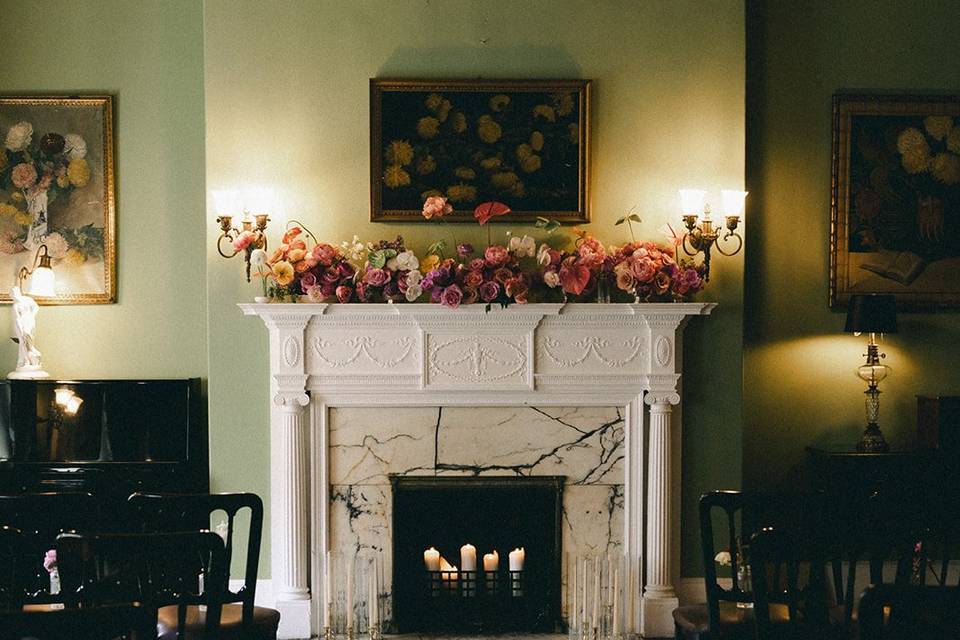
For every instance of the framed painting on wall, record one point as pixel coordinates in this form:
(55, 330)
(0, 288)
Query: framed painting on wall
(525, 143)
(57, 192)
(895, 206)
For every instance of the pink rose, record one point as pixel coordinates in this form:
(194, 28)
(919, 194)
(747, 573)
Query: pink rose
(477, 264)
(344, 293)
(662, 282)
(23, 175)
(327, 288)
(473, 279)
(376, 277)
(643, 269)
(489, 291)
(496, 255)
(625, 281)
(308, 280)
(243, 240)
(451, 296)
(502, 274)
(470, 295)
(517, 289)
(436, 207)
(324, 254)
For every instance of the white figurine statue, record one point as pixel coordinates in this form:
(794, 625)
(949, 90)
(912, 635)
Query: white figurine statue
(25, 324)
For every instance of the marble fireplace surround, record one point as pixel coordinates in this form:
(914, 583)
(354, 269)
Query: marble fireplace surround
(326, 356)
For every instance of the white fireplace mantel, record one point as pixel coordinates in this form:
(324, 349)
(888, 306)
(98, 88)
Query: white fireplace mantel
(332, 355)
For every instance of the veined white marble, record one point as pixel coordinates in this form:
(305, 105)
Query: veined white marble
(325, 357)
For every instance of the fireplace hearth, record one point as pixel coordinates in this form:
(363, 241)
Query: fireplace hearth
(494, 515)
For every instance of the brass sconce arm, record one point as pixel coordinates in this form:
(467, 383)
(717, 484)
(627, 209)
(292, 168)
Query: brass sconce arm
(228, 232)
(41, 259)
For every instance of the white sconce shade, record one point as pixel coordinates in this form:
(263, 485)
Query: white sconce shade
(258, 200)
(43, 282)
(73, 405)
(733, 202)
(692, 201)
(226, 202)
(62, 396)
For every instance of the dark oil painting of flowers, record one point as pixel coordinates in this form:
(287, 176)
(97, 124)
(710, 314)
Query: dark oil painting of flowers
(896, 199)
(524, 143)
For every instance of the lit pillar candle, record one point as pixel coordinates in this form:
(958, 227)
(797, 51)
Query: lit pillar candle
(431, 559)
(468, 557)
(491, 562)
(517, 556)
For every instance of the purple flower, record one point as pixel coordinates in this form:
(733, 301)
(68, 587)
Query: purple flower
(464, 249)
(435, 294)
(392, 291)
(489, 291)
(451, 296)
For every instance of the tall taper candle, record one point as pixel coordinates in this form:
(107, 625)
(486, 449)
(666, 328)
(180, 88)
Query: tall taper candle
(596, 594)
(351, 562)
(586, 572)
(328, 591)
(616, 602)
(575, 610)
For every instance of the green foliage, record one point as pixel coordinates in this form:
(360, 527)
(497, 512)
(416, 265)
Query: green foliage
(548, 224)
(628, 218)
(377, 259)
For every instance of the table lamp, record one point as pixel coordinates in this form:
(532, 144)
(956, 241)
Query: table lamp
(42, 283)
(872, 314)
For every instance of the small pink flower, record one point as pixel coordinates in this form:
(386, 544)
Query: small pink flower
(451, 296)
(243, 240)
(436, 207)
(23, 175)
(50, 560)
(324, 254)
(376, 277)
(496, 255)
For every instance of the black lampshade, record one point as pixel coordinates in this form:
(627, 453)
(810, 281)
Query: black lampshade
(872, 313)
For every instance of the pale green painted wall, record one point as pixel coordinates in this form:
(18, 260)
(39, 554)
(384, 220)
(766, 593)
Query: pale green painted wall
(149, 56)
(799, 381)
(286, 106)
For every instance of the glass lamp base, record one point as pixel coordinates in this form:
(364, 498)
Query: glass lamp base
(872, 441)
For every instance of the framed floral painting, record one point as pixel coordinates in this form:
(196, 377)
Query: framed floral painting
(57, 192)
(525, 143)
(895, 209)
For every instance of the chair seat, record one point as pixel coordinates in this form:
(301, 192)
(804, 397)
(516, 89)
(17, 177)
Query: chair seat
(265, 623)
(693, 620)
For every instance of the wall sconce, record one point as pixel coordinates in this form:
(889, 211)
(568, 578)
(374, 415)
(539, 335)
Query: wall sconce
(873, 314)
(25, 308)
(251, 234)
(701, 233)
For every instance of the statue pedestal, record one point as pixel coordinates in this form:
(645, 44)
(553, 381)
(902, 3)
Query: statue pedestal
(28, 372)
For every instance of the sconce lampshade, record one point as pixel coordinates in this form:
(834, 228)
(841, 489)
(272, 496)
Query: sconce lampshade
(43, 281)
(872, 313)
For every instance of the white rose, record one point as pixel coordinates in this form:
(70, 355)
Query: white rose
(414, 278)
(56, 246)
(407, 261)
(392, 264)
(551, 279)
(414, 291)
(75, 147)
(19, 136)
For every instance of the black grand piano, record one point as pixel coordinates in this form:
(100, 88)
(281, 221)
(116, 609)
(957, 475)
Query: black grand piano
(106, 437)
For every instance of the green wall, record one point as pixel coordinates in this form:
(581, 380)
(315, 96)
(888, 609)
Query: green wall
(149, 55)
(799, 383)
(286, 106)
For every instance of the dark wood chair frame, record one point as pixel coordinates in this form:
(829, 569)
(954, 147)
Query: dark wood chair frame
(909, 612)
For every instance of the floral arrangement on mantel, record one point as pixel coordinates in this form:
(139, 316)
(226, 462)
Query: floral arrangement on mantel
(563, 267)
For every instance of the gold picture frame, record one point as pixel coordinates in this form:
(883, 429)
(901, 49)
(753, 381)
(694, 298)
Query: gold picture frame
(525, 143)
(895, 193)
(57, 189)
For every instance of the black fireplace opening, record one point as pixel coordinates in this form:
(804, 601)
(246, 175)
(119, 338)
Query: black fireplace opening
(491, 513)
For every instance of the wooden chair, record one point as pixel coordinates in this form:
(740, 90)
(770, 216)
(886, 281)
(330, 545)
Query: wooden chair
(164, 569)
(133, 621)
(788, 570)
(909, 612)
(166, 512)
(728, 612)
(41, 517)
